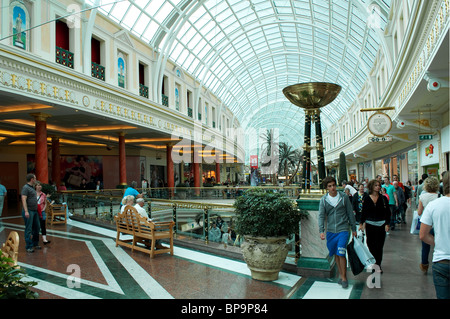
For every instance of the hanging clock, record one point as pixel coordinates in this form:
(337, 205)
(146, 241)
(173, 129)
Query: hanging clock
(379, 124)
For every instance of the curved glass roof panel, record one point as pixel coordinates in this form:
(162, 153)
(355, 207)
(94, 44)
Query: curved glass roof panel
(247, 51)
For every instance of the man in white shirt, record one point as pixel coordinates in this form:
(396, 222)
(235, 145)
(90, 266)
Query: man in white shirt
(437, 216)
(140, 202)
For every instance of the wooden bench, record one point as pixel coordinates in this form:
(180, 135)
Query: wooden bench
(130, 222)
(56, 213)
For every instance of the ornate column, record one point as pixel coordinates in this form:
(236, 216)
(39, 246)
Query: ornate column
(319, 148)
(41, 157)
(306, 184)
(56, 161)
(122, 160)
(314, 260)
(218, 161)
(170, 169)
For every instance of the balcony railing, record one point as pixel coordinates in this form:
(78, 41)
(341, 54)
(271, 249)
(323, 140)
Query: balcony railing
(98, 71)
(64, 57)
(143, 90)
(165, 100)
(193, 219)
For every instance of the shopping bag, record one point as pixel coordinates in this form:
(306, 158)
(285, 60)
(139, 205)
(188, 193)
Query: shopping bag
(415, 224)
(363, 252)
(355, 263)
(360, 234)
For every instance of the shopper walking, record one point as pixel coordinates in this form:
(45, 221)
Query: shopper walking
(429, 193)
(436, 215)
(336, 209)
(357, 201)
(393, 203)
(375, 220)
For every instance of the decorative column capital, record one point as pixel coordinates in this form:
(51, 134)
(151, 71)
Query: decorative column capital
(40, 116)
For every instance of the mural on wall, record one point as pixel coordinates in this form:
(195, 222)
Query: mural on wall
(122, 70)
(81, 172)
(19, 26)
(77, 171)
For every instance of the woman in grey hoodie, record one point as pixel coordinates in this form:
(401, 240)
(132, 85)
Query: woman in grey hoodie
(336, 210)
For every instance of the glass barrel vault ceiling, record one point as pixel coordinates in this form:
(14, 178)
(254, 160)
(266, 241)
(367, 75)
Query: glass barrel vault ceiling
(247, 51)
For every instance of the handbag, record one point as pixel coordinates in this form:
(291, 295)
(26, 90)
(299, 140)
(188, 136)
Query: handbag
(415, 224)
(355, 263)
(363, 253)
(39, 208)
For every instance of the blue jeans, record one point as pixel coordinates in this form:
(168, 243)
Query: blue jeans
(32, 228)
(441, 279)
(393, 209)
(426, 250)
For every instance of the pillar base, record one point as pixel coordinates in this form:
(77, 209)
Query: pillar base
(316, 267)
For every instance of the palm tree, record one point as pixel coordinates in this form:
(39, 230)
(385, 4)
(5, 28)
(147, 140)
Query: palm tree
(298, 158)
(287, 160)
(269, 157)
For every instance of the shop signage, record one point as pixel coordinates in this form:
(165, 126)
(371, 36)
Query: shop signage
(254, 161)
(425, 137)
(380, 139)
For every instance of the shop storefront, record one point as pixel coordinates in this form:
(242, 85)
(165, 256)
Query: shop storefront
(429, 156)
(403, 164)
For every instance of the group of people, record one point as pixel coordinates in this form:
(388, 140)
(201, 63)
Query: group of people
(132, 197)
(34, 203)
(377, 214)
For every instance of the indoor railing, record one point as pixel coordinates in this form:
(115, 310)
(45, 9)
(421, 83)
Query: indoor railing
(193, 218)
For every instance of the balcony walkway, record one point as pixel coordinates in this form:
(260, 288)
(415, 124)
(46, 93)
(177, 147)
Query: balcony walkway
(114, 272)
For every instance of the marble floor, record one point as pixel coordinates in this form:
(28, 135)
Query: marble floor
(82, 262)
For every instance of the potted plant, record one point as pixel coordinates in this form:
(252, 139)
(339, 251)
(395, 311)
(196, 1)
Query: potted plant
(266, 220)
(12, 285)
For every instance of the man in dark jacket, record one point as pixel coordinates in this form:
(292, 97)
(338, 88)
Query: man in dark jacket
(401, 200)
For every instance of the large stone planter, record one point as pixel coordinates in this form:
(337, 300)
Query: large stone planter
(264, 256)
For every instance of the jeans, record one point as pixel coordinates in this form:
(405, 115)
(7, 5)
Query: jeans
(2, 200)
(426, 250)
(32, 228)
(441, 279)
(393, 209)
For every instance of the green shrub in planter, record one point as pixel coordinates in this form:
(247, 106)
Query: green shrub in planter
(263, 213)
(11, 284)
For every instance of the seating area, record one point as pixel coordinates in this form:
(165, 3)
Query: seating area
(56, 213)
(144, 232)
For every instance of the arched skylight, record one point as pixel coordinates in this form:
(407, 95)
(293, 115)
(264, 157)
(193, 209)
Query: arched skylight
(247, 51)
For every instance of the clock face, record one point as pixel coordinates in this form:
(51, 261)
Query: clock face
(379, 124)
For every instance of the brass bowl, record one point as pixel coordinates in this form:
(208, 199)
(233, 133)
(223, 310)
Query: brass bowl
(312, 95)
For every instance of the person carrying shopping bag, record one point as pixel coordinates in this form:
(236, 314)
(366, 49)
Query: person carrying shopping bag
(336, 209)
(375, 220)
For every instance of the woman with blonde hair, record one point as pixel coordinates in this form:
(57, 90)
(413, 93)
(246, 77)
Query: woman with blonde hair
(127, 200)
(429, 193)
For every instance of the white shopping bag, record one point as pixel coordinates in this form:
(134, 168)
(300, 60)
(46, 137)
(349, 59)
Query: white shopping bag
(360, 234)
(363, 252)
(415, 224)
